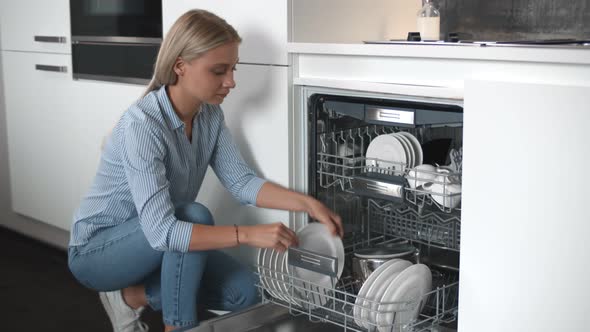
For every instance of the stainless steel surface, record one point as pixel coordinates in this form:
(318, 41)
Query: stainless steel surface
(390, 115)
(117, 79)
(59, 69)
(387, 252)
(363, 267)
(367, 260)
(377, 187)
(50, 39)
(313, 261)
(115, 39)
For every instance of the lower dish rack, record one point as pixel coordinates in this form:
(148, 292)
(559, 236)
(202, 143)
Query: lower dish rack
(339, 302)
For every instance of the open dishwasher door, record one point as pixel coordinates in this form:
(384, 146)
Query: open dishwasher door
(266, 317)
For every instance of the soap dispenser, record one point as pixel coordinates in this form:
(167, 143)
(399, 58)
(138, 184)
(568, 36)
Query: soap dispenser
(428, 21)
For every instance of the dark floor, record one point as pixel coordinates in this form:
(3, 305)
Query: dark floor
(38, 292)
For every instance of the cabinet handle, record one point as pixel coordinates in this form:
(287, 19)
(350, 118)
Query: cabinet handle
(59, 69)
(50, 39)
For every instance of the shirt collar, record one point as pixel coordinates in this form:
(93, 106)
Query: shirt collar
(173, 120)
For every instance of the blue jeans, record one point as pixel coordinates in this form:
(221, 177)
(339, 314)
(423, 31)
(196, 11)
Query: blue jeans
(175, 282)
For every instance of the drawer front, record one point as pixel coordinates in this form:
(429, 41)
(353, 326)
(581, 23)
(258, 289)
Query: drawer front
(39, 26)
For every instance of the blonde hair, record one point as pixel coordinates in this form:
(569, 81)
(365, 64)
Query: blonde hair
(194, 33)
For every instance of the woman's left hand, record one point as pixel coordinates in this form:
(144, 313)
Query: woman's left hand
(318, 211)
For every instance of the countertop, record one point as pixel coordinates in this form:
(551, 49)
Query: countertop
(433, 71)
(525, 53)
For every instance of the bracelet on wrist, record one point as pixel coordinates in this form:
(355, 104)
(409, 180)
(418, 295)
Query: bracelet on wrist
(237, 235)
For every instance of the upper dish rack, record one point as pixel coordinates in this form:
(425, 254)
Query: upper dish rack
(341, 162)
(354, 176)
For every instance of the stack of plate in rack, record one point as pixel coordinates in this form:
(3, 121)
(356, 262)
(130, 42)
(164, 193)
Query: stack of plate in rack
(395, 152)
(272, 269)
(392, 296)
(275, 274)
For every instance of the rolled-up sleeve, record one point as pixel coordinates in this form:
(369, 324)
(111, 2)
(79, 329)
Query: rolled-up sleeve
(143, 159)
(231, 169)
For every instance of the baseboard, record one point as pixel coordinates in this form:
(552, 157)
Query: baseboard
(37, 230)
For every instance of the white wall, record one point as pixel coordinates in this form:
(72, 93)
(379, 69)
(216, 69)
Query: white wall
(352, 21)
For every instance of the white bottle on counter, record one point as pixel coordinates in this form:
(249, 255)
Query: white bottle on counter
(428, 21)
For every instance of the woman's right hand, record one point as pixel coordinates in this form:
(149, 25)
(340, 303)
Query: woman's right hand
(276, 236)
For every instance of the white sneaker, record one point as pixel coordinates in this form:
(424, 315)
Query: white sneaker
(123, 317)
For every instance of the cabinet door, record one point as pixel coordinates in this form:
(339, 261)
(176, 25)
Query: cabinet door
(23, 21)
(525, 225)
(256, 113)
(262, 24)
(40, 164)
(55, 129)
(93, 110)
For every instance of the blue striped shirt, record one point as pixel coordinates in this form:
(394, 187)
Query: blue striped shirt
(148, 166)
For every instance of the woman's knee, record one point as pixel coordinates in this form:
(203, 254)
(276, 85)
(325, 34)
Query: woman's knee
(250, 296)
(248, 293)
(195, 213)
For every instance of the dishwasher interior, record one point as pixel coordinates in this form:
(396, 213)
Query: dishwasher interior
(382, 202)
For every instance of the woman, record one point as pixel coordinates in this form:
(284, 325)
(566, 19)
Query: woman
(138, 237)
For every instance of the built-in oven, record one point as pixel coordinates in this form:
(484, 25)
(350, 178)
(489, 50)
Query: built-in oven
(115, 40)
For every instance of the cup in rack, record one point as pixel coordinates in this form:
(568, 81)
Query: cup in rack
(421, 174)
(445, 190)
(452, 176)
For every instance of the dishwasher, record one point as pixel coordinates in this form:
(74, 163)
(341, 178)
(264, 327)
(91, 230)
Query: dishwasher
(380, 202)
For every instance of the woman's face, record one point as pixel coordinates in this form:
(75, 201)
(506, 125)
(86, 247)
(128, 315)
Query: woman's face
(209, 78)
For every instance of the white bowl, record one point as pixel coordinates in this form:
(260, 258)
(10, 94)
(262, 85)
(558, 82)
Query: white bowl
(444, 192)
(420, 175)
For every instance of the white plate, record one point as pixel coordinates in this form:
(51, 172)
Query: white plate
(264, 260)
(408, 146)
(389, 150)
(360, 299)
(417, 147)
(261, 271)
(316, 237)
(282, 276)
(409, 286)
(377, 289)
(274, 283)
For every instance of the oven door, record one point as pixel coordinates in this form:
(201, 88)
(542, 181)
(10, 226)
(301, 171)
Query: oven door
(115, 62)
(136, 21)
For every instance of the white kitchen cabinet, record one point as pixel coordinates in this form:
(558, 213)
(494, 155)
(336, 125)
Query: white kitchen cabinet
(21, 22)
(256, 112)
(55, 128)
(524, 232)
(262, 24)
(38, 125)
